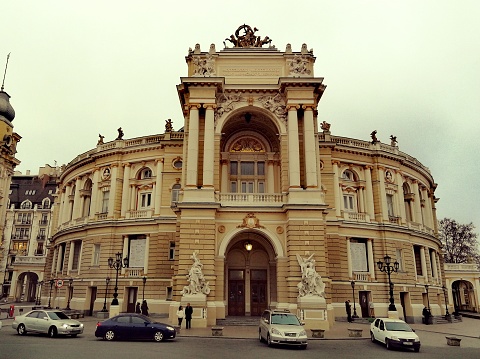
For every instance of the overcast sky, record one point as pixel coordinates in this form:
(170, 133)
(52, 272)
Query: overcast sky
(409, 68)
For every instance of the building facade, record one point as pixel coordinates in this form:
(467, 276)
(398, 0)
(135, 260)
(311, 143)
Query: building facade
(256, 194)
(27, 229)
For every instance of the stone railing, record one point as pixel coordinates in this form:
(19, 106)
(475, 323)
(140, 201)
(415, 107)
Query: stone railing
(357, 217)
(251, 199)
(145, 213)
(361, 276)
(134, 272)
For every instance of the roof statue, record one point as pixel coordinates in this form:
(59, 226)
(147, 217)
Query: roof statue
(245, 37)
(120, 134)
(168, 125)
(100, 139)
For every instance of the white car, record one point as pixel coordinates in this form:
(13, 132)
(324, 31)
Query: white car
(394, 333)
(48, 321)
(282, 327)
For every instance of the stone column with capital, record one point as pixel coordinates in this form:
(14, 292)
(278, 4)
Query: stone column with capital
(293, 148)
(310, 152)
(125, 190)
(192, 150)
(158, 187)
(77, 206)
(336, 189)
(208, 146)
(369, 192)
(113, 190)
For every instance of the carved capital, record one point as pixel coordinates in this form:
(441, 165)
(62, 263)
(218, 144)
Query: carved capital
(210, 106)
(308, 107)
(292, 107)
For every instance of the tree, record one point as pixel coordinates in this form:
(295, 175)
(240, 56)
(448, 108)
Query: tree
(459, 242)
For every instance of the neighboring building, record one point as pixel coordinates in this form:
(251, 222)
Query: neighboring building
(463, 286)
(8, 149)
(254, 196)
(27, 229)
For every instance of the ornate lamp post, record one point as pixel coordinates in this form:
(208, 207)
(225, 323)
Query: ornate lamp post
(70, 284)
(117, 264)
(144, 279)
(447, 314)
(51, 281)
(428, 300)
(388, 268)
(107, 280)
(353, 294)
(39, 297)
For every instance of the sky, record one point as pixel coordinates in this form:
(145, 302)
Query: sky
(408, 68)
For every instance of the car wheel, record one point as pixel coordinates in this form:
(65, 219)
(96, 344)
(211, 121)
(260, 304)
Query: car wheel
(303, 347)
(109, 335)
(269, 340)
(158, 336)
(416, 350)
(372, 337)
(387, 344)
(260, 336)
(74, 335)
(52, 332)
(21, 329)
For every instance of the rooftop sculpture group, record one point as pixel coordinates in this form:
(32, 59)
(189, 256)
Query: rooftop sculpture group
(245, 37)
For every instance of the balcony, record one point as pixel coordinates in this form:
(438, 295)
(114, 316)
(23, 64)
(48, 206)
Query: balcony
(356, 217)
(145, 213)
(134, 272)
(29, 261)
(101, 216)
(361, 276)
(251, 199)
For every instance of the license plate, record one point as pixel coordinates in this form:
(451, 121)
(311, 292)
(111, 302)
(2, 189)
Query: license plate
(291, 340)
(407, 343)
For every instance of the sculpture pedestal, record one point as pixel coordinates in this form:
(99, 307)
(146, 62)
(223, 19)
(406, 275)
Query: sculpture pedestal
(199, 304)
(313, 312)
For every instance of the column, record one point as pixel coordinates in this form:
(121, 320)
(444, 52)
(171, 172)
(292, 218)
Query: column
(133, 197)
(310, 152)
(70, 256)
(192, 151)
(270, 176)
(361, 193)
(125, 189)
(225, 185)
(383, 193)
(336, 189)
(77, 206)
(369, 192)
(158, 183)
(371, 261)
(416, 203)
(423, 261)
(61, 200)
(208, 146)
(66, 203)
(293, 148)
(113, 190)
(401, 198)
(95, 194)
(427, 212)
(433, 260)
(349, 260)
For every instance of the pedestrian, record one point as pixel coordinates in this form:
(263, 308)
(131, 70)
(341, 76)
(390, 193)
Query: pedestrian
(188, 316)
(426, 315)
(180, 316)
(137, 308)
(144, 308)
(348, 308)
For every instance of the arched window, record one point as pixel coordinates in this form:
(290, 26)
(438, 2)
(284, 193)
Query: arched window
(87, 198)
(46, 203)
(145, 173)
(348, 175)
(350, 191)
(26, 204)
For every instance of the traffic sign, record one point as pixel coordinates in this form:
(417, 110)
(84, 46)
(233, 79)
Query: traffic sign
(59, 283)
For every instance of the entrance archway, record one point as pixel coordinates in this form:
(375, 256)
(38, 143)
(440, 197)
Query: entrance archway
(26, 287)
(250, 273)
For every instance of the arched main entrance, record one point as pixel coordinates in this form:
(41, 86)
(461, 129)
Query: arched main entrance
(26, 287)
(250, 274)
(463, 296)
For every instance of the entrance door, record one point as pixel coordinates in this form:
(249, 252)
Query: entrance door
(236, 292)
(132, 299)
(258, 290)
(364, 304)
(93, 297)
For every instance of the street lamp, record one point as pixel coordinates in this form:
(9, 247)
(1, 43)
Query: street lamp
(353, 294)
(39, 297)
(117, 264)
(144, 279)
(51, 281)
(107, 280)
(70, 283)
(447, 314)
(388, 268)
(428, 300)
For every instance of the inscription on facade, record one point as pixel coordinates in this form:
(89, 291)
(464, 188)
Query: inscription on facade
(251, 71)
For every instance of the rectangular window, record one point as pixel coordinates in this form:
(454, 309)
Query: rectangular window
(247, 187)
(418, 261)
(106, 197)
(169, 293)
(391, 213)
(171, 251)
(77, 247)
(349, 203)
(145, 200)
(39, 251)
(261, 187)
(233, 168)
(247, 168)
(261, 168)
(96, 255)
(399, 255)
(233, 187)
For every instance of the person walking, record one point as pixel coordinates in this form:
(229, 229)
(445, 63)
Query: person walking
(180, 316)
(137, 308)
(145, 308)
(348, 309)
(188, 316)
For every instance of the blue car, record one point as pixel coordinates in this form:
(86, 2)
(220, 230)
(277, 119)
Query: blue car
(131, 326)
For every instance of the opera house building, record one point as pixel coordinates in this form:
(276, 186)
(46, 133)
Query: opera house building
(254, 203)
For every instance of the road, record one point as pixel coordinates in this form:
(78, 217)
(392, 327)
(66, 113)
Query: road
(14, 346)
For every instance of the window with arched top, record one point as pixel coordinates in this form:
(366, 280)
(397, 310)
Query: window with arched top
(145, 173)
(350, 192)
(26, 204)
(348, 175)
(87, 198)
(46, 203)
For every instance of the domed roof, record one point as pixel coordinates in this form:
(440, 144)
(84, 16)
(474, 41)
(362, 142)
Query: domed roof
(6, 109)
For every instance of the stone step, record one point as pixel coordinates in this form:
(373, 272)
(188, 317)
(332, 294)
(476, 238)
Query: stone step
(238, 321)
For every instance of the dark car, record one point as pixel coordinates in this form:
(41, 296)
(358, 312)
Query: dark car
(134, 326)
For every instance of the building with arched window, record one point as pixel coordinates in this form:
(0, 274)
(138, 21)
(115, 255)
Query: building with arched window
(253, 204)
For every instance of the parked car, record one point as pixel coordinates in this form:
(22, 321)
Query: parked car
(281, 327)
(48, 321)
(134, 326)
(394, 333)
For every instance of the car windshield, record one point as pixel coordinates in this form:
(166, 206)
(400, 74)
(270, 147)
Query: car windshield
(398, 327)
(57, 315)
(285, 319)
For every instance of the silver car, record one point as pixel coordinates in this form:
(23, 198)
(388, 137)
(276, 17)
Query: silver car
(48, 321)
(282, 327)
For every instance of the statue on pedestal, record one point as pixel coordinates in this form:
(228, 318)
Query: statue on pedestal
(195, 277)
(311, 283)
